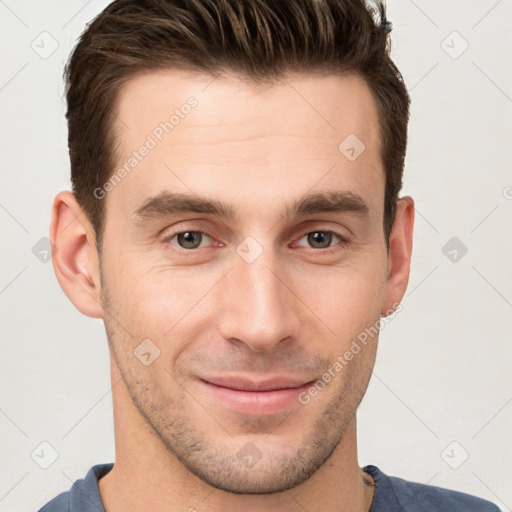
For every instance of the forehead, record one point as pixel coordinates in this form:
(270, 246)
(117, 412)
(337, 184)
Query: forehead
(230, 137)
(323, 105)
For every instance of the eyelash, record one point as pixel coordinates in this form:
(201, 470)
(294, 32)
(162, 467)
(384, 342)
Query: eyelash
(343, 242)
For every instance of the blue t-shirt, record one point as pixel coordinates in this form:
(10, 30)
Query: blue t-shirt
(391, 494)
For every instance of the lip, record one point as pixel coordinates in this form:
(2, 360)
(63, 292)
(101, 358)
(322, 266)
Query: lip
(255, 397)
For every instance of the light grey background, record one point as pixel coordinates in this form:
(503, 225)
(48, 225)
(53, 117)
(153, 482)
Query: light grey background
(443, 372)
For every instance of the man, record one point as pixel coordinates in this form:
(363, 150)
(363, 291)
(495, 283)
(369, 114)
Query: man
(235, 221)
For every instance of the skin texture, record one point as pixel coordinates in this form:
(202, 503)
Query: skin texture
(210, 313)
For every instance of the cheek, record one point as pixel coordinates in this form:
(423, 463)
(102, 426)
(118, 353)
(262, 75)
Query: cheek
(157, 301)
(347, 299)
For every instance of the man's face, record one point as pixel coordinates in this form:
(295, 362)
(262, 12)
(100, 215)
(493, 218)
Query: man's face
(245, 308)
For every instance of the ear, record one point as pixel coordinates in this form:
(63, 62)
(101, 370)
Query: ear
(75, 259)
(399, 255)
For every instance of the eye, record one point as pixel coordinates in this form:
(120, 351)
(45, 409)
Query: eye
(188, 239)
(321, 239)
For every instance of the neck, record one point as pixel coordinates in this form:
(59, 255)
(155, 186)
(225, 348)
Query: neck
(146, 476)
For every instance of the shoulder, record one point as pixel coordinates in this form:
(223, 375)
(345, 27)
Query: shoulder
(396, 493)
(83, 496)
(59, 504)
(420, 497)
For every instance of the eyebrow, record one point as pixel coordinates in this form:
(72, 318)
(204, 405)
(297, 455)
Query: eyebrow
(169, 203)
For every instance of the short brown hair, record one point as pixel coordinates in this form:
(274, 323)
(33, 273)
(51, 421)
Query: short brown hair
(256, 39)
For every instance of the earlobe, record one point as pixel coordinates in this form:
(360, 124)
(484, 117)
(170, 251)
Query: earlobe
(399, 260)
(75, 259)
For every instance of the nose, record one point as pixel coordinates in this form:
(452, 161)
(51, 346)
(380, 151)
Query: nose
(258, 306)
